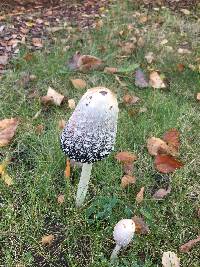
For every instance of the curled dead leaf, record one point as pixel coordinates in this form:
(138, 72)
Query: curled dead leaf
(52, 97)
(167, 163)
(140, 195)
(127, 180)
(130, 99)
(170, 259)
(8, 128)
(161, 193)
(61, 199)
(67, 169)
(140, 226)
(125, 157)
(84, 62)
(155, 80)
(79, 83)
(47, 239)
(187, 246)
(157, 146)
(128, 168)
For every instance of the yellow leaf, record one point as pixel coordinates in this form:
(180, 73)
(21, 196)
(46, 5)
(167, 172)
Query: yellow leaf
(7, 179)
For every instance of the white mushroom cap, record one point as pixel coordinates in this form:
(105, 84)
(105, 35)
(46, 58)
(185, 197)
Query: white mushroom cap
(124, 232)
(90, 133)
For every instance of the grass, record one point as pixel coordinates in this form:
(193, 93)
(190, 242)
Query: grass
(84, 237)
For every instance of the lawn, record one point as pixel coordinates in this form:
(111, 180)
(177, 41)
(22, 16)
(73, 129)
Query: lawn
(83, 237)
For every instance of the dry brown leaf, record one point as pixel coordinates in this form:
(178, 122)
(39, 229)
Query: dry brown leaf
(128, 168)
(125, 157)
(198, 96)
(61, 124)
(79, 83)
(187, 246)
(167, 164)
(127, 180)
(155, 80)
(39, 129)
(47, 240)
(161, 193)
(61, 199)
(170, 259)
(140, 226)
(71, 104)
(130, 99)
(157, 146)
(143, 19)
(7, 130)
(140, 42)
(140, 195)
(128, 48)
(67, 169)
(180, 67)
(52, 97)
(172, 138)
(110, 70)
(84, 62)
(37, 42)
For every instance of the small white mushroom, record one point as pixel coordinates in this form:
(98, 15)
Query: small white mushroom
(90, 133)
(123, 234)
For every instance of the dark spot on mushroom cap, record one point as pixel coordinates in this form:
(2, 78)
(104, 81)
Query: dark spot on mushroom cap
(90, 97)
(110, 107)
(103, 92)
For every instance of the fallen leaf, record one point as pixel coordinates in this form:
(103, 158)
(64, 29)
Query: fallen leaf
(67, 169)
(184, 51)
(52, 97)
(140, 42)
(128, 48)
(37, 42)
(140, 195)
(180, 67)
(164, 41)
(84, 62)
(185, 11)
(143, 19)
(110, 70)
(172, 138)
(61, 124)
(155, 80)
(7, 130)
(125, 157)
(3, 173)
(3, 60)
(130, 99)
(47, 240)
(157, 146)
(128, 168)
(187, 246)
(140, 226)
(61, 199)
(198, 96)
(170, 259)
(71, 104)
(140, 79)
(149, 57)
(28, 57)
(39, 129)
(161, 193)
(127, 180)
(78, 83)
(167, 164)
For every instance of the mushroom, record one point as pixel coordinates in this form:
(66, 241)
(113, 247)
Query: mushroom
(90, 133)
(123, 234)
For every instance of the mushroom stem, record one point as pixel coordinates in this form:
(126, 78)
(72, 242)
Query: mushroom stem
(115, 252)
(83, 184)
